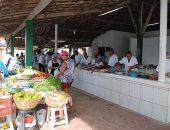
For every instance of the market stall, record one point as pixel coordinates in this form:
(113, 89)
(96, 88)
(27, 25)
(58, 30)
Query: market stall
(29, 96)
(145, 96)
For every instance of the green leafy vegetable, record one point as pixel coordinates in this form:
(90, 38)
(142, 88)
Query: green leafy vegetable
(48, 84)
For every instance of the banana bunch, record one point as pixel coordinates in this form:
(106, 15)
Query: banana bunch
(59, 97)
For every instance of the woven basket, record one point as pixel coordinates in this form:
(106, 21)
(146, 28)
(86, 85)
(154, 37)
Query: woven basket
(56, 104)
(26, 105)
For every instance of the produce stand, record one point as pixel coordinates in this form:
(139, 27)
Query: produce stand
(27, 90)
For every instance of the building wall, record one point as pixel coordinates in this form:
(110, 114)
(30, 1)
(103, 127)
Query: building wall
(155, 33)
(150, 47)
(115, 39)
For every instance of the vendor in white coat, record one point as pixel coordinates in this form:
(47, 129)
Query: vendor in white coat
(77, 57)
(130, 62)
(113, 59)
(86, 60)
(95, 58)
(53, 65)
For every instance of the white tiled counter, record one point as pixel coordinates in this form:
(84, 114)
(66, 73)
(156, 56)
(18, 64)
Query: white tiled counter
(150, 98)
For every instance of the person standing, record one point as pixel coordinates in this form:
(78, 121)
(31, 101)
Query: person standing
(41, 62)
(53, 64)
(22, 58)
(66, 71)
(130, 62)
(7, 59)
(113, 59)
(96, 57)
(77, 57)
(86, 60)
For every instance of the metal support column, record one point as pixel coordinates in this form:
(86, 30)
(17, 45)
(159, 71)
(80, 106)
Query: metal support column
(56, 38)
(139, 47)
(12, 45)
(28, 42)
(163, 39)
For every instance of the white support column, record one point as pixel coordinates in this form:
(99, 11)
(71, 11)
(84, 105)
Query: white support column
(56, 38)
(163, 39)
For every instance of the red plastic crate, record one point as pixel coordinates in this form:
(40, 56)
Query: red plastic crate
(5, 103)
(6, 107)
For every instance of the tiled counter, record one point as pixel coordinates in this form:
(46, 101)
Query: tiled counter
(150, 98)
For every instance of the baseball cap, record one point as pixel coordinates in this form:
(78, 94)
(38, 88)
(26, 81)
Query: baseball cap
(63, 53)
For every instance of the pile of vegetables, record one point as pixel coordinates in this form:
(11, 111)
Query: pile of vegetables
(40, 75)
(27, 96)
(47, 84)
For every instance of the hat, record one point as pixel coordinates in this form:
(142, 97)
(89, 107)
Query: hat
(63, 53)
(111, 50)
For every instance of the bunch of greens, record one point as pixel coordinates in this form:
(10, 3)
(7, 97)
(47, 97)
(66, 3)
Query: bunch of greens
(48, 84)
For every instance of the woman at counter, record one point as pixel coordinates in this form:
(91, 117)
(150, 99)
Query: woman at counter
(113, 59)
(130, 62)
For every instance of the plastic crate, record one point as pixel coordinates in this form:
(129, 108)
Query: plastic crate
(6, 107)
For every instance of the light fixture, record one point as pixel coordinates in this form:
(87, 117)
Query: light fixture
(152, 24)
(60, 41)
(20, 37)
(74, 32)
(108, 12)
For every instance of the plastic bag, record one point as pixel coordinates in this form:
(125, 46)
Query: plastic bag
(41, 116)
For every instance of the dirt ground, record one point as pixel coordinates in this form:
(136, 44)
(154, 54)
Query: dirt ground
(92, 113)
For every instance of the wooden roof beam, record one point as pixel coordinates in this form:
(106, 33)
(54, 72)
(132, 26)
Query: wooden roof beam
(40, 6)
(85, 11)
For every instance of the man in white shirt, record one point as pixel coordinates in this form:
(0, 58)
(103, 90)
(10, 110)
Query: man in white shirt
(41, 62)
(130, 62)
(77, 58)
(86, 60)
(53, 64)
(113, 59)
(96, 56)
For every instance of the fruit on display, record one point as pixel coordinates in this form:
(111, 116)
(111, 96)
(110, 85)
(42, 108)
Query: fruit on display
(40, 75)
(27, 96)
(47, 84)
(57, 98)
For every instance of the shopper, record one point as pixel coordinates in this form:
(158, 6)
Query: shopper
(22, 58)
(66, 71)
(41, 62)
(113, 59)
(53, 64)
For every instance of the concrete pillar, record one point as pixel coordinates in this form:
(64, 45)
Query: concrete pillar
(28, 42)
(56, 38)
(163, 39)
(12, 45)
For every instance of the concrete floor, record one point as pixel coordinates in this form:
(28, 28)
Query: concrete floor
(92, 113)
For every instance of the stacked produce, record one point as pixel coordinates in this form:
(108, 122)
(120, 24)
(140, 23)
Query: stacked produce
(47, 84)
(26, 100)
(40, 75)
(27, 96)
(57, 98)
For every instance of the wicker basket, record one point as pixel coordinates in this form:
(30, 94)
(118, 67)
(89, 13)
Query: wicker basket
(26, 105)
(56, 104)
